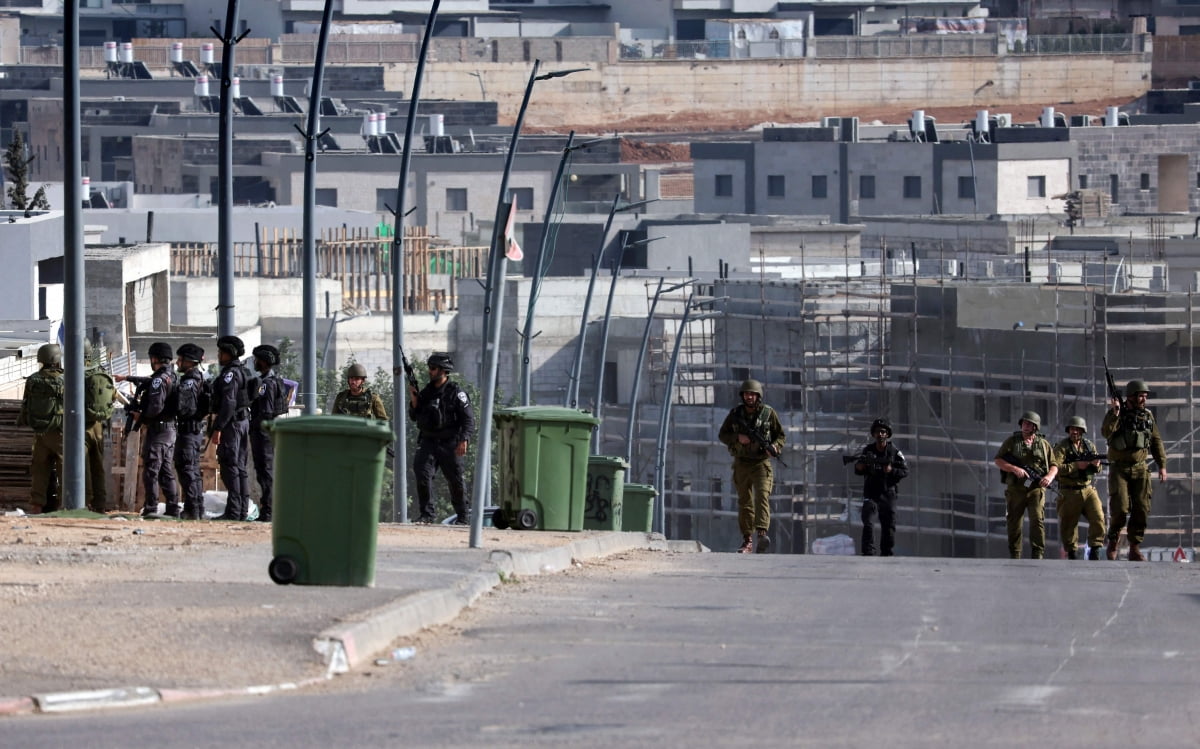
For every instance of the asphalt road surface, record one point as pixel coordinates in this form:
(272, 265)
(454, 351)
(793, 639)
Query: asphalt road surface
(730, 650)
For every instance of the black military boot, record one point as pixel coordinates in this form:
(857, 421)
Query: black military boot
(1070, 554)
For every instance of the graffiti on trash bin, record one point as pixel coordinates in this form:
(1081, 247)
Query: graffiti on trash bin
(598, 505)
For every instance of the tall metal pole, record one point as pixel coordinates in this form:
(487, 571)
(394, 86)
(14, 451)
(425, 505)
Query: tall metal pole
(664, 417)
(399, 384)
(637, 371)
(73, 486)
(539, 269)
(308, 365)
(225, 318)
(493, 310)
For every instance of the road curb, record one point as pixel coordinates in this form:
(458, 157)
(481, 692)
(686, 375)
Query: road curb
(347, 646)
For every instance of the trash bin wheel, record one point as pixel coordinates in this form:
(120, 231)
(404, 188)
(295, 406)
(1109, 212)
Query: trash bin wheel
(499, 519)
(526, 520)
(283, 570)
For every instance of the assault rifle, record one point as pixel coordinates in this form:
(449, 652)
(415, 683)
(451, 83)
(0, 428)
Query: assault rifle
(762, 441)
(409, 374)
(1113, 393)
(134, 405)
(874, 464)
(1034, 477)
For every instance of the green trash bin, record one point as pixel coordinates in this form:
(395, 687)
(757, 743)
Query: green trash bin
(637, 512)
(543, 462)
(325, 514)
(605, 487)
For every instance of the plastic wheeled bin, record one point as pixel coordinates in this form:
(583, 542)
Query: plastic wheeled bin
(605, 487)
(543, 463)
(637, 508)
(325, 514)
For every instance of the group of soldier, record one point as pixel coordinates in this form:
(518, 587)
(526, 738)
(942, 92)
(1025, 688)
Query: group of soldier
(1028, 462)
(180, 411)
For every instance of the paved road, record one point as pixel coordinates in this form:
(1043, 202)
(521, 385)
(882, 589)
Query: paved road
(727, 650)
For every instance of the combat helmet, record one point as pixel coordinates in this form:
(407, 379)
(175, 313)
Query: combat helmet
(751, 386)
(1077, 421)
(91, 358)
(882, 424)
(1032, 417)
(50, 355)
(231, 345)
(160, 350)
(356, 370)
(1136, 386)
(442, 362)
(268, 354)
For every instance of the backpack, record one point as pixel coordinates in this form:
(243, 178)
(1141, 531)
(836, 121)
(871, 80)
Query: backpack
(192, 402)
(42, 409)
(98, 395)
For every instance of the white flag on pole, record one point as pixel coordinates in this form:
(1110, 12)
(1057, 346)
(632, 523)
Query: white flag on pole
(512, 250)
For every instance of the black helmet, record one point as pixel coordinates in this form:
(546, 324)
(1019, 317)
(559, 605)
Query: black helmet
(191, 352)
(269, 354)
(231, 345)
(442, 362)
(160, 350)
(882, 424)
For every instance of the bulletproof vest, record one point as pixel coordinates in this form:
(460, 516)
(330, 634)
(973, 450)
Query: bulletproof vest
(43, 406)
(434, 414)
(194, 395)
(1072, 455)
(270, 402)
(250, 384)
(1133, 431)
(98, 394)
(357, 405)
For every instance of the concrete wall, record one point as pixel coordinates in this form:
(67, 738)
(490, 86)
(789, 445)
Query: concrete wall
(200, 224)
(194, 300)
(126, 292)
(27, 241)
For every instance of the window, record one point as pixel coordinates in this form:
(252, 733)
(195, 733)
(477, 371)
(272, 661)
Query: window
(523, 197)
(1083, 182)
(1144, 181)
(775, 186)
(1036, 187)
(820, 186)
(384, 196)
(1113, 182)
(327, 196)
(724, 186)
(456, 198)
(866, 187)
(966, 188)
(912, 187)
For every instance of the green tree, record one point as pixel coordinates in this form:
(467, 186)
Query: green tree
(18, 175)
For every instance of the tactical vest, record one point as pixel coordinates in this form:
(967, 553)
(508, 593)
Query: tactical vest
(1070, 476)
(355, 405)
(42, 409)
(1035, 457)
(194, 396)
(1133, 431)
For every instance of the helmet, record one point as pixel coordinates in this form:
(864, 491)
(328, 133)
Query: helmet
(356, 370)
(1136, 386)
(90, 358)
(442, 362)
(751, 386)
(881, 424)
(50, 354)
(269, 354)
(191, 352)
(231, 345)
(1032, 417)
(160, 350)
(1077, 421)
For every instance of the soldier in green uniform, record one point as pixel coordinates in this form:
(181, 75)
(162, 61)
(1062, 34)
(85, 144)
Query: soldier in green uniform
(1132, 436)
(1029, 465)
(1080, 461)
(98, 394)
(753, 434)
(42, 411)
(358, 399)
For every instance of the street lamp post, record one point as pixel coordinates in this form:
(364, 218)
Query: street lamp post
(637, 371)
(493, 307)
(225, 318)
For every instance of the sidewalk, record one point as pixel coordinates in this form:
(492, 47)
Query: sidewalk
(114, 611)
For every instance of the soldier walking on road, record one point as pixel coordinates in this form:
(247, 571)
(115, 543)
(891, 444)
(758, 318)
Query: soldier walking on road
(98, 395)
(442, 413)
(270, 402)
(156, 417)
(753, 434)
(230, 426)
(1079, 460)
(1028, 464)
(192, 406)
(882, 465)
(1132, 435)
(42, 411)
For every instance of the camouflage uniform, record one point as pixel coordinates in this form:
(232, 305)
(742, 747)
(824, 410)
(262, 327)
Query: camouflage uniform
(1132, 437)
(1078, 496)
(753, 474)
(42, 411)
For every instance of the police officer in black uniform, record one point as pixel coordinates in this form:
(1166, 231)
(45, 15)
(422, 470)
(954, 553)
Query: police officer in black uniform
(882, 465)
(156, 418)
(442, 413)
(230, 426)
(191, 409)
(271, 401)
